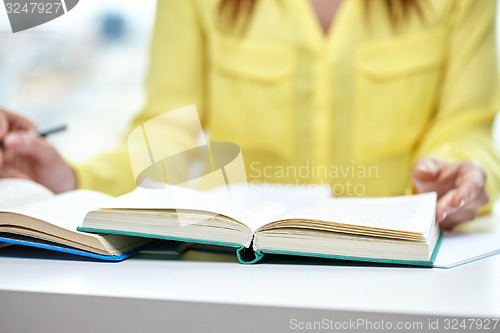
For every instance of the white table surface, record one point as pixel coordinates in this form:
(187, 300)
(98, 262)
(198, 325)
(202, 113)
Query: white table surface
(469, 290)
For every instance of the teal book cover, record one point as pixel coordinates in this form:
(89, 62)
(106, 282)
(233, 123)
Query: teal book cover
(246, 255)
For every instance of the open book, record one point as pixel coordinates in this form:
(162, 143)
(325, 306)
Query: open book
(32, 215)
(395, 229)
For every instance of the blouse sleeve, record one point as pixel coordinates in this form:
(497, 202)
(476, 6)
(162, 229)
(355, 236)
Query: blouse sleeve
(469, 96)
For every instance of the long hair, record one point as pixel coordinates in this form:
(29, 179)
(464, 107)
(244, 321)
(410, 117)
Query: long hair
(397, 10)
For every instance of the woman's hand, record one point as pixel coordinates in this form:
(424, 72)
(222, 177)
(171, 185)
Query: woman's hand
(460, 188)
(25, 155)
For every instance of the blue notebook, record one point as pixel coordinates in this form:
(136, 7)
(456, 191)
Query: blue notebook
(398, 230)
(7, 238)
(31, 215)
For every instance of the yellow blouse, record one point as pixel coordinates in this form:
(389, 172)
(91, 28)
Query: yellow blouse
(355, 108)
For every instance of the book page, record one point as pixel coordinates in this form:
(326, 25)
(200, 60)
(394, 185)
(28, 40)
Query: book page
(286, 194)
(252, 212)
(413, 213)
(251, 204)
(16, 192)
(263, 202)
(66, 210)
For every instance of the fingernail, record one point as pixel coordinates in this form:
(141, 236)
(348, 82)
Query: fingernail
(13, 140)
(462, 203)
(443, 217)
(424, 168)
(429, 168)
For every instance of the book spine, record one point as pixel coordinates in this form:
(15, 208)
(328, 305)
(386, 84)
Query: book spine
(246, 255)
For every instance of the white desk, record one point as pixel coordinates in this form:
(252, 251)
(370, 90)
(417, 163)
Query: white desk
(145, 294)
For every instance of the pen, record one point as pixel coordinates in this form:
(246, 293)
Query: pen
(44, 133)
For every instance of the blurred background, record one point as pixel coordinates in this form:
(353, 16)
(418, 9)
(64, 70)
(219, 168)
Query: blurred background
(86, 68)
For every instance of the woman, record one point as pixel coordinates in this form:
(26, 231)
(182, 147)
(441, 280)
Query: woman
(406, 89)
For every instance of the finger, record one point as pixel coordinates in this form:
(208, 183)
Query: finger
(470, 183)
(443, 182)
(4, 125)
(465, 213)
(13, 173)
(28, 144)
(426, 169)
(17, 122)
(425, 175)
(449, 173)
(446, 181)
(454, 219)
(443, 206)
